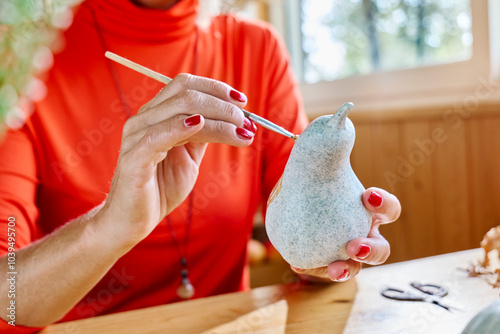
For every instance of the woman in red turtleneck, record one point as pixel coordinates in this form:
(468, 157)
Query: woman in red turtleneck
(102, 129)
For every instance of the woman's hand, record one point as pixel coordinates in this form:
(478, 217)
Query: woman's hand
(162, 148)
(373, 249)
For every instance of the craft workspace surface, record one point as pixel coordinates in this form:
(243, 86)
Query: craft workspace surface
(311, 309)
(374, 314)
(322, 308)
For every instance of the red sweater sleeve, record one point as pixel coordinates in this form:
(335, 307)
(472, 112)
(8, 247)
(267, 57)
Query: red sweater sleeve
(18, 184)
(284, 107)
(9, 329)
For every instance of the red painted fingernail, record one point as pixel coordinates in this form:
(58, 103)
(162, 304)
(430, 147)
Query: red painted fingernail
(193, 120)
(375, 199)
(344, 275)
(363, 252)
(296, 269)
(249, 125)
(237, 96)
(244, 133)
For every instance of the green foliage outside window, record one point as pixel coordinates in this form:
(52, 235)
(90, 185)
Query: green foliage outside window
(353, 37)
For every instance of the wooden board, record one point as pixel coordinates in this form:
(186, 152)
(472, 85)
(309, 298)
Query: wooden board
(270, 319)
(375, 314)
(312, 309)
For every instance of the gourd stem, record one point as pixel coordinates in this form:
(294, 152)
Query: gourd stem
(338, 119)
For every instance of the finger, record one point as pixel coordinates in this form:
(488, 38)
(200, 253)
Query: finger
(196, 151)
(338, 271)
(184, 81)
(159, 139)
(385, 206)
(189, 102)
(212, 132)
(374, 249)
(321, 272)
(341, 271)
(223, 133)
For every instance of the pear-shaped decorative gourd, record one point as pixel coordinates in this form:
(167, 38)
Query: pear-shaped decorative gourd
(485, 322)
(316, 208)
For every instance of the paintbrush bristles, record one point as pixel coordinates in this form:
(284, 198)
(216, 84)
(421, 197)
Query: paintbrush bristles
(139, 68)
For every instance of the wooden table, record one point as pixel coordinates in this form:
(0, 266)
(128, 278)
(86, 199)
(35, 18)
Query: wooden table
(312, 309)
(322, 308)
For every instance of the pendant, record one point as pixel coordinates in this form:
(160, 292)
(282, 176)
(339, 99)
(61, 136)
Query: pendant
(186, 289)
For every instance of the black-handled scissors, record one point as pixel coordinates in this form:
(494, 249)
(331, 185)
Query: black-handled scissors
(432, 294)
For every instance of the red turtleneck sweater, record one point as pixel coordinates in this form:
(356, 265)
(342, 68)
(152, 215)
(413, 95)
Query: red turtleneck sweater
(60, 164)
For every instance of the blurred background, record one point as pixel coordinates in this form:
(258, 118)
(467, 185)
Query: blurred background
(424, 78)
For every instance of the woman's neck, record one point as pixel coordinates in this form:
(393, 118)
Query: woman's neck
(155, 4)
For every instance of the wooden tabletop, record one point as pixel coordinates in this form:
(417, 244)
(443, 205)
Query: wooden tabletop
(312, 309)
(323, 308)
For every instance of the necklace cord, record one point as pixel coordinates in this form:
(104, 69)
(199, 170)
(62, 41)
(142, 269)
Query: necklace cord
(182, 257)
(111, 66)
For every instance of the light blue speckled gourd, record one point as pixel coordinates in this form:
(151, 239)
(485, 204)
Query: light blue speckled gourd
(485, 322)
(316, 208)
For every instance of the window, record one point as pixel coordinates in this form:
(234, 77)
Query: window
(388, 54)
(346, 38)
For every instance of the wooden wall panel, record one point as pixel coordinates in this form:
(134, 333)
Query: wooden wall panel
(384, 143)
(450, 195)
(362, 149)
(417, 149)
(483, 149)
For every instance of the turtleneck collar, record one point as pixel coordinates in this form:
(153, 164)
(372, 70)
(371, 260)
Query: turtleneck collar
(123, 19)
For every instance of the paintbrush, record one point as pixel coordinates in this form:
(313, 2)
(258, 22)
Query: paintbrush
(166, 80)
